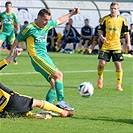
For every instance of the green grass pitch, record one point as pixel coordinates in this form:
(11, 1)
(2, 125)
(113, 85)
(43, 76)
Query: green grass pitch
(106, 111)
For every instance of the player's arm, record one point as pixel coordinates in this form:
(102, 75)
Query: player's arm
(15, 44)
(6, 61)
(64, 18)
(127, 36)
(102, 38)
(17, 25)
(17, 53)
(101, 31)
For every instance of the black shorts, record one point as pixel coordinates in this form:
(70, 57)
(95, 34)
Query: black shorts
(107, 54)
(86, 39)
(19, 104)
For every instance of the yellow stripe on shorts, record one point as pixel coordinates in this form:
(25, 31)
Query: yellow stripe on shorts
(43, 64)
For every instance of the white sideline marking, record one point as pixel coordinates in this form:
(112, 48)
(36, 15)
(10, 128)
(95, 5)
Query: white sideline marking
(24, 73)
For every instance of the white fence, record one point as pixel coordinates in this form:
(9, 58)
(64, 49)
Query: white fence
(27, 10)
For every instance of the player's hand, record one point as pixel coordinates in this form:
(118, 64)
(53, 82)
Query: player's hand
(103, 39)
(75, 11)
(18, 52)
(17, 32)
(128, 47)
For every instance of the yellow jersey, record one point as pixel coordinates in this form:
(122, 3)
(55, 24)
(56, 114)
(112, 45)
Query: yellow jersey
(3, 63)
(4, 96)
(112, 28)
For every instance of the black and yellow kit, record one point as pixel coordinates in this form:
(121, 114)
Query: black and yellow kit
(112, 28)
(4, 96)
(11, 101)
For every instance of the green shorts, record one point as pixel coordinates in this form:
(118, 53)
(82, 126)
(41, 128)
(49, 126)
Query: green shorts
(107, 54)
(44, 65)
(10, 37)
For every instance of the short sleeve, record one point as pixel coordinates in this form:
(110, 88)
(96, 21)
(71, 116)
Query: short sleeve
(24, 33)
(52, 24)
(124, 27)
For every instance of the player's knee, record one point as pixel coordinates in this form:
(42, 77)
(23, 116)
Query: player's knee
(101, 65)
(57, 75)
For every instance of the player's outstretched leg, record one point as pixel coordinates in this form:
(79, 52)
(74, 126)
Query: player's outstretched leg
(50, 107)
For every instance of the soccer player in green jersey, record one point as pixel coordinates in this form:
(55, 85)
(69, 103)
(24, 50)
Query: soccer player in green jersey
(35, 36)
(8, 19)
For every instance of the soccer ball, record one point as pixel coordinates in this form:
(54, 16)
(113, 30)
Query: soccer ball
(86, 89)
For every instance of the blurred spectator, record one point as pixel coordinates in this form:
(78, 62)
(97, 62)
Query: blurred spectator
(77, 33)
(25, 24)
(74, 38)
(131, 33)
(86, 37)
(131, 36)
(69, 36)
(22, 44)
(95, 41)
(51, 40)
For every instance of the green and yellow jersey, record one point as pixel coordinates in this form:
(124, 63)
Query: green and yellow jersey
(112, 29)
(4, 96)
(36, 37)
(8, 20)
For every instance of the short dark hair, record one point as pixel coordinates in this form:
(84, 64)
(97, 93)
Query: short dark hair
(26, 22)
(71, 19)
(8, 2)
(114, 3)
(43, 12)
(86, 19)
(67, 23)
(131, 24)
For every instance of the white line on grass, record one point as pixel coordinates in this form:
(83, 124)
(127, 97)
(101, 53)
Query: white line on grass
(24, 73)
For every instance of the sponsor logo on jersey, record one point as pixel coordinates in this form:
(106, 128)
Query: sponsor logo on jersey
(41, 38)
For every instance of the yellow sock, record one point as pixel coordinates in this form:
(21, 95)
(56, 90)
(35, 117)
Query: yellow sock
(57, 48)
(50, 107)
(78, 49)
(100, 73)
(84, 50)
(29, 114)
(119, 77)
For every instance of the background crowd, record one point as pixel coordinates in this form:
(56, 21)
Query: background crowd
(84, 41)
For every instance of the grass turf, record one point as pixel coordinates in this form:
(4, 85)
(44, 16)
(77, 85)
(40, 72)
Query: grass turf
(106, 111)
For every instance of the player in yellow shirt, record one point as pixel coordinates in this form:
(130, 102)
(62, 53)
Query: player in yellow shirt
(15, 103)
(111, 27)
